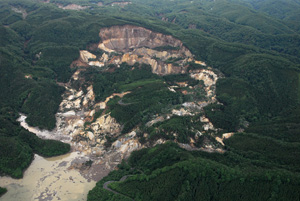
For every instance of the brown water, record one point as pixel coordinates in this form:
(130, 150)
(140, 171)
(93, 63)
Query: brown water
(48, 179)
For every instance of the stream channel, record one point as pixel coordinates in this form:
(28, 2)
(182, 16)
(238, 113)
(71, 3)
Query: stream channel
(48, 179)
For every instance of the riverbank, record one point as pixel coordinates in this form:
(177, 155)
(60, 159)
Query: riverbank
(49, 179)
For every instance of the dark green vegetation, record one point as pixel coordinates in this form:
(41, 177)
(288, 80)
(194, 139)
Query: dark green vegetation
(167, 172)
(148, 97)
(18, 145)
(38, 95)
(259, 56)
(251, 48)
(255, 44)
(182, 127)
(149, 94)
(122, 79)
(286, 10)
(99, 194)
(2, 191)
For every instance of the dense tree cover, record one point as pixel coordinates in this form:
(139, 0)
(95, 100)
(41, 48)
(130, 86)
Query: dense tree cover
(148, 95)
(287, 10)
(100, 194)
(18, 145)
(15, 156)
(40, 47)
(263, 163)
(45, 148)
(167, 172)
(257, 53)
(236, 60)
(58, 59)
(179, 128)
(28, 95)
(148, 98)
(255, 91)
(37, 95)
(143, 103)
(284, 128)
(231, 21)
(35, 108)
(261, 85)
(174, 78)
(2, 191)
(121, 80)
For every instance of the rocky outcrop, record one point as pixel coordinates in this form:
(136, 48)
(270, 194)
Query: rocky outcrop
(72, 7)
(164, 53)
(224, 136)
(158, 67)
(202, 63)
(137, 45)
(127, 144)
(209, 79)
(96, 63)
(102, 105)
(158, 60)
(124, 38)
(70, 104)
(121, 3)
(89, 124)
(89, 98)
(182, 112)
(77, 99)
(78, 108)
(207, 76)
(89, 127)
(90, 58)
(86, 56)
(106, 125)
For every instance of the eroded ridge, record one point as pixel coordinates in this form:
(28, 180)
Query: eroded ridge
(165, 54)
(123, 38)
(92, 129)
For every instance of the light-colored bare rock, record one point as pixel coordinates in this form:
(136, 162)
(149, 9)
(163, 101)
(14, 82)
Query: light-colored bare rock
(96, 63)
(207, 76)
(182, 112)
(124, 38)
(202, 63)
(72, 7)
(204, 119)
(90, 135)
(224, 136)
(106, 125)
(121, 4)
(89, 97)
(85, 56)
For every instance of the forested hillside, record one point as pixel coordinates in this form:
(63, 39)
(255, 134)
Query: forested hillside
(167, 172)
(254, 44)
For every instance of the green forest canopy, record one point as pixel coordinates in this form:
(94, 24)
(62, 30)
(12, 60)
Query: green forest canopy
(255, 44)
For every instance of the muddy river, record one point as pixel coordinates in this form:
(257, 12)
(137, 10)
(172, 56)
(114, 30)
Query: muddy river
(49, 178)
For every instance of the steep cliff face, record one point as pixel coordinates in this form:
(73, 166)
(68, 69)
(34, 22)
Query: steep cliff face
(164, 53)
(123, 38)
(89, 125)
